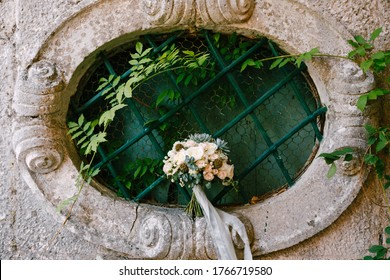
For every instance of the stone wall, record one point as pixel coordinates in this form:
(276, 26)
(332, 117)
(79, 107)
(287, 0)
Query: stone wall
(27, 219)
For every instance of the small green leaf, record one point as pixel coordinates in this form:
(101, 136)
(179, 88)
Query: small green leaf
(94, 172)
(81, 120)
(188, 80)
(353, 43)
(138, 47)
(362, 102)
(137, 171)
(370, 129)
(190, 53)
(375, 34)
(287, 60)
(161, 98)
(365, 65)
(180, 77)
(361, 51)
(371, 159)
(66, 202)
(348, 157)
(378, 55)
(381, 145)
(368, 258)
(128, 91)
(72, 130)
(72, 124)
(74, 136)
(116, 81)
(276, 63)
(360, 39)
(376, 248)
(81, 140)
(387, 230)
(332, 171)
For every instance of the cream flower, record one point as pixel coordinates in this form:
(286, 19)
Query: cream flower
(179, 157)
(228, 169)
(195, 152)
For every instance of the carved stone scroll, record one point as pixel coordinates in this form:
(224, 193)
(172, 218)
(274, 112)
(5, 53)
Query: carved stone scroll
(38, 148)
(38, 90)
(225, 11)
(155, 234)
(167, 11)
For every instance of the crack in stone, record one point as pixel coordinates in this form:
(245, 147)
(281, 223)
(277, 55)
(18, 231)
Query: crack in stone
(136, 217)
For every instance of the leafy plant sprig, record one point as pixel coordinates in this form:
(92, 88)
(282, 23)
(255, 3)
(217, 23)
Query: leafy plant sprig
(378, 137)
(89, 135)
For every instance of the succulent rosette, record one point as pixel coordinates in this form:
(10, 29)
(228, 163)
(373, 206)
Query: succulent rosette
(199, 160)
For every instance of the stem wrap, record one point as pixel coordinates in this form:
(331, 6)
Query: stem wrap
(218, 223)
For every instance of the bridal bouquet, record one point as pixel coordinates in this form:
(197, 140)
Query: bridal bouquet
(199, 160)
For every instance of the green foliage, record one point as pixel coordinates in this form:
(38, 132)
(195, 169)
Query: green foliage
(330, 158)
(371, 95)
(296, 59)
(378, 137)
(380, 252)
(144, 65)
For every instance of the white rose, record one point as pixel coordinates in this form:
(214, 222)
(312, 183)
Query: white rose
(179, 157)
(167, 168)
(195, 152)
(189, 144)
(210, 148)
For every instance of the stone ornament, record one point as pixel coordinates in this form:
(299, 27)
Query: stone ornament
(155, 235)
(225, 11)
(209, 11)
(38, 90)
(37, 148)
(167, 11)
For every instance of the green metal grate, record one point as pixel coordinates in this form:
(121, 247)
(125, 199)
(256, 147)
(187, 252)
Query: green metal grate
(271, 119)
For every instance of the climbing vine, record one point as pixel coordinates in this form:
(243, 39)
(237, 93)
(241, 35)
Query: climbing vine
(378, 138)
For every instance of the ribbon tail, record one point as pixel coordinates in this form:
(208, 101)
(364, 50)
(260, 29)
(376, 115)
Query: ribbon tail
(218, 223)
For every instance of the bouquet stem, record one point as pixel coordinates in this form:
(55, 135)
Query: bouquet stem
(193, 208)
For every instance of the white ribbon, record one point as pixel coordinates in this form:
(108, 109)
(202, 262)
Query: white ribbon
(218, 223)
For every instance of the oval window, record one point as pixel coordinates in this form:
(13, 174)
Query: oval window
(272, 119)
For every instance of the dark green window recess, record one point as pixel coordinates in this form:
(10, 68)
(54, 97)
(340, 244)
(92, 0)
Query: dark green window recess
(272, 119)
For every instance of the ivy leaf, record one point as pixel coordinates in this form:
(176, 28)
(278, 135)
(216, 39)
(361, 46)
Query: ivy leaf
(378, 55)
(365, 65)
(383, 141)
(375, 34)
(376, 248)
(362, 102)
(360, 39)
(387, 230)
(332, 171)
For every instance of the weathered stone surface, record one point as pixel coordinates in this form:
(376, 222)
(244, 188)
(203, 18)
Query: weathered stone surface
(40, 66)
